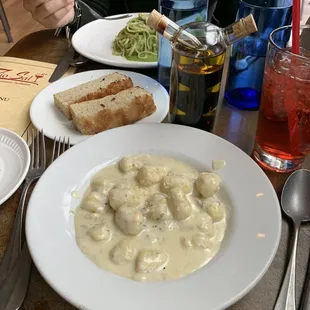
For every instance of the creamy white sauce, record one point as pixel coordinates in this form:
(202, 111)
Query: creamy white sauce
(161, 226)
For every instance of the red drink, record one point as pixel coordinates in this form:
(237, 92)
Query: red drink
(283, 132)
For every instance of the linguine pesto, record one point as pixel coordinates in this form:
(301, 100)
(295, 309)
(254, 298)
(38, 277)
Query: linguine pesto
(137, 41)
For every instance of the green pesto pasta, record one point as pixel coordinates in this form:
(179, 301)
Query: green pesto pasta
(137, 41)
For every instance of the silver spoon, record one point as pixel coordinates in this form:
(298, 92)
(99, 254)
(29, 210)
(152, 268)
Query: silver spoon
(295, 202)
(305, 299)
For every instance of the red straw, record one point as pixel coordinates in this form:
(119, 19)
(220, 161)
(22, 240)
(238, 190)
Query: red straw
(296, 27)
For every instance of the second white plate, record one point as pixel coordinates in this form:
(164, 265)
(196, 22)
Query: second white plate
(14, 163)
(95, 41)
(45, 115)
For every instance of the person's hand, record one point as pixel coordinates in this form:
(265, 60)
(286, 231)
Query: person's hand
(51, 13)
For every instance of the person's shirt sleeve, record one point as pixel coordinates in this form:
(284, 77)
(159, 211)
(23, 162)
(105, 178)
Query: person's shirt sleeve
(140, 5)
(225, 12)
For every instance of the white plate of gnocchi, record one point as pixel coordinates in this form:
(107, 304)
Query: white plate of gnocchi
(154, 214)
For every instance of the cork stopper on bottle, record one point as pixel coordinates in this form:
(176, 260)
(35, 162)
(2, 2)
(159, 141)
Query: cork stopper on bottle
(245, 26)
(157, 21)
(249, 24)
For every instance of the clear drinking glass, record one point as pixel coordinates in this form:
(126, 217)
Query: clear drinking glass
(283, 132)
(248, 55)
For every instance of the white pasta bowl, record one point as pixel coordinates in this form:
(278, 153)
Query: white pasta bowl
(249, 246)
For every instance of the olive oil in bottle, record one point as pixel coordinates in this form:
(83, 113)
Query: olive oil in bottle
(195, 85)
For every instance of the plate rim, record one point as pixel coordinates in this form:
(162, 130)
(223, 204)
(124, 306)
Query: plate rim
(90, 72)
(126, 63)
(256, 279)
(25, 168)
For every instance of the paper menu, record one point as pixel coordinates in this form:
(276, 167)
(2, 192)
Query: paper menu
(20, 81)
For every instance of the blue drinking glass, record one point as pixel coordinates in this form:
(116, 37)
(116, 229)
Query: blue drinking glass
(247, 61)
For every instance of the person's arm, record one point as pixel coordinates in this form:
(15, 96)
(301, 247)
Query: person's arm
(59, 13)
(51, 14)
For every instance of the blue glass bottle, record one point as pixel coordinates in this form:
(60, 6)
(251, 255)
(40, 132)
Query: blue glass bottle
(182, 12)
(247, 62)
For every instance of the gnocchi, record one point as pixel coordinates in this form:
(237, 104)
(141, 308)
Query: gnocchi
(95, 203)
(214, 208)
(149, 175)
(151, 218)
(158, 208)
(101, 233)
(208, 184)
(101, 185)
(128, 164)
(124, 252)
(218, 164)
(170, 181)
(179, 204)
(151, 260)
(129, 220)
(119, 196)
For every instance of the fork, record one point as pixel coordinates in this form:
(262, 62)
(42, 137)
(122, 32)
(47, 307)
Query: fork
(14, 287)
(58, 30)
(36, 169)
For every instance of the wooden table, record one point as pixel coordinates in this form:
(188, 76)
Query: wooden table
(234, 125)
